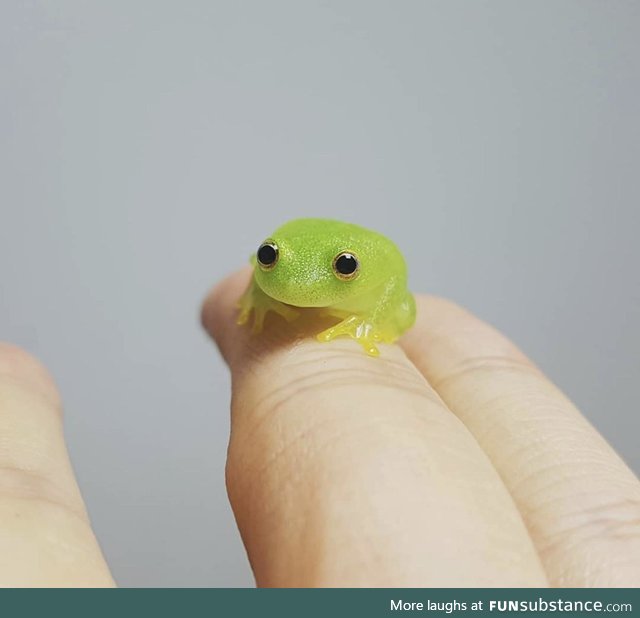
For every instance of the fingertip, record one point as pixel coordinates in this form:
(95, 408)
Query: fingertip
(42, 515)
(218, 313)
(21, 367)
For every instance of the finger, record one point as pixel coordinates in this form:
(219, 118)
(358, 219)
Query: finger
(45, 535)
(579, 500)
(347, 470)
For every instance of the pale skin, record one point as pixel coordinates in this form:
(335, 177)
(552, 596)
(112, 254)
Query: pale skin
(448, 460)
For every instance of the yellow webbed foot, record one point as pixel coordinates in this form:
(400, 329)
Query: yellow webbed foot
(364, 332)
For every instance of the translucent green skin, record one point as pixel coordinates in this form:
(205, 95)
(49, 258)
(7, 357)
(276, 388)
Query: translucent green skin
(375, 306)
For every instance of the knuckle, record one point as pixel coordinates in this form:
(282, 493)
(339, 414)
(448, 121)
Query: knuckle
(431, 302)
(485, 366)
(304, 377)
(303, 398)
(614, 522)
(28, 487)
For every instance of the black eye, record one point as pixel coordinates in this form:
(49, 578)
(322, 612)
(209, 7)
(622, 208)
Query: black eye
(345, 266)
(267, 254)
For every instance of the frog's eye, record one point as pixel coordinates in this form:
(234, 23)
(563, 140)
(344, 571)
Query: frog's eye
(267, 255)
(346, 266)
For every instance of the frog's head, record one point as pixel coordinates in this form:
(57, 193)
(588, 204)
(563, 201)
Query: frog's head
(314, 263)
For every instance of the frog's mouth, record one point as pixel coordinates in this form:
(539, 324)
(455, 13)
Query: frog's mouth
(294, 295)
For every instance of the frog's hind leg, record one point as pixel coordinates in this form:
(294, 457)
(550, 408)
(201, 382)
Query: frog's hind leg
(393, 313)
(406, 314)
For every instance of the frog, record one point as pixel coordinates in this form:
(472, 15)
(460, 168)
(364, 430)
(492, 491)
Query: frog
(348, 273)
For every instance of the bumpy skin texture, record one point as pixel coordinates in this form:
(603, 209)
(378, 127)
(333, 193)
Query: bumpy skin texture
(375, 306)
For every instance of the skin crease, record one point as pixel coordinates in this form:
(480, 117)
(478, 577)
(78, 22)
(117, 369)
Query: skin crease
(335, 481)
(450, 460)
(372, 304)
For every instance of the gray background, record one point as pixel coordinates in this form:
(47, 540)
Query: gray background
(147, 147)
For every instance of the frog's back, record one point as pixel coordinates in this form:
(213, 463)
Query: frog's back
(321, 227)
(344, 235)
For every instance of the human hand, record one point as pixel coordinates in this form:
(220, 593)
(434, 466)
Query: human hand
(448, 461)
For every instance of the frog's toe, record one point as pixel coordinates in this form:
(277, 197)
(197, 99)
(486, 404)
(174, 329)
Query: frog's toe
(258, 320)
(369, 347)
(325, 335)
(346, 327)
(243, 316)
(361, 331)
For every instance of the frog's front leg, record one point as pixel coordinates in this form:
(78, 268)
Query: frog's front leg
(371, 326)
(254, 299)
(358, 328)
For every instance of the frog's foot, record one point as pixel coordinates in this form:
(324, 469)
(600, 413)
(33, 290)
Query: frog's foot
(365, 333)
(261, 305)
